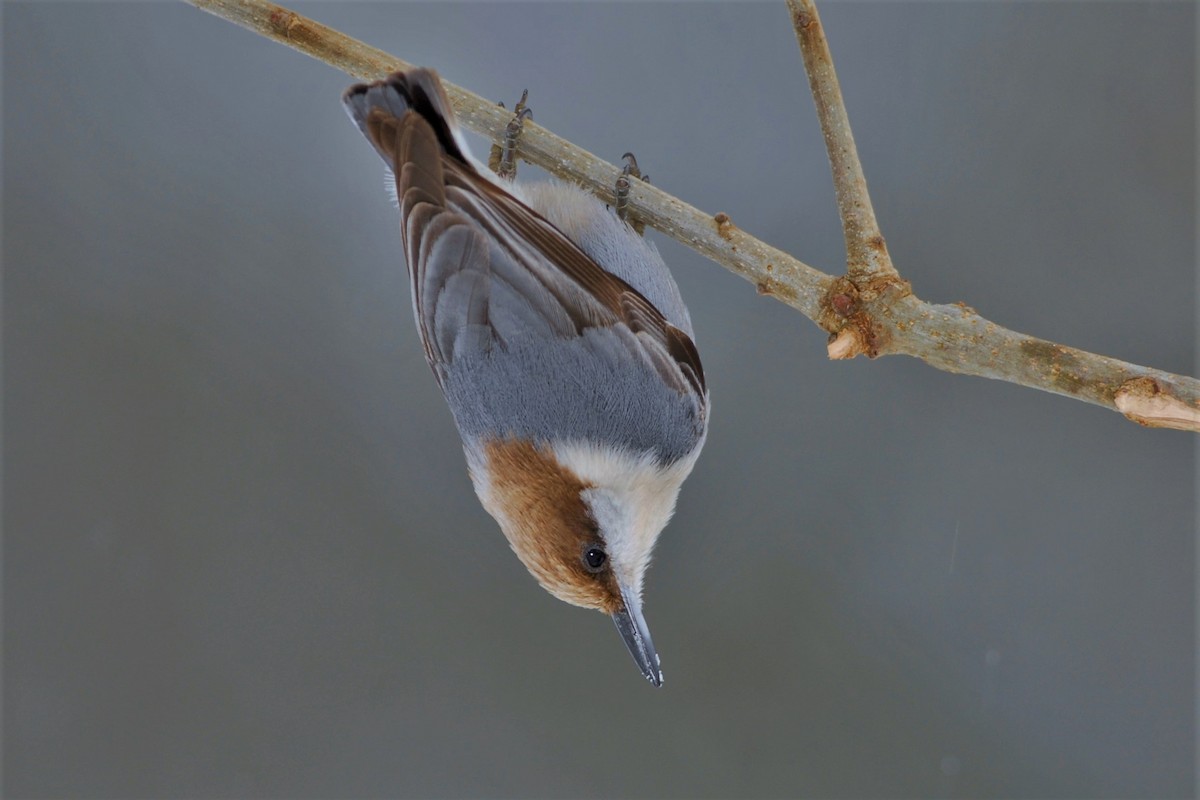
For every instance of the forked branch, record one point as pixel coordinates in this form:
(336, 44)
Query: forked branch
(869, 311)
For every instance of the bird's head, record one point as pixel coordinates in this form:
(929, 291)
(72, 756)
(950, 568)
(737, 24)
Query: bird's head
(583, 519)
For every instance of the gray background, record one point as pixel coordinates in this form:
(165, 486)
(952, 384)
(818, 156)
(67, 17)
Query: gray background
(242, 557)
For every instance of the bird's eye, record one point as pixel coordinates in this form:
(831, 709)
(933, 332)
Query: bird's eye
(594, 558)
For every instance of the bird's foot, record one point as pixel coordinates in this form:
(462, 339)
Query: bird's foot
(621, 192)
(502, 159)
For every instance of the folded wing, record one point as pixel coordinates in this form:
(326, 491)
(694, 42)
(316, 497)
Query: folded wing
(485, 268)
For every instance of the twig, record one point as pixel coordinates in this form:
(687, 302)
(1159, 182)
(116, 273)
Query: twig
(883, 316)
(867, 257)
(870, 311)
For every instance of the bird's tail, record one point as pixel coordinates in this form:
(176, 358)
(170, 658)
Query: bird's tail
(379, 109)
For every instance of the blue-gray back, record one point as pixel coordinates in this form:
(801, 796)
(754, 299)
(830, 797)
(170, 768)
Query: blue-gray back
(553, 322)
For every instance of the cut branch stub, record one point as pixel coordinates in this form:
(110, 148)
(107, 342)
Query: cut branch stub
(1152, 403)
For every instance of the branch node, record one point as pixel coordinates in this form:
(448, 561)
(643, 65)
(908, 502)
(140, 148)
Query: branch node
(840, 302)
(725, 226)
(846, 316)
(843, 303)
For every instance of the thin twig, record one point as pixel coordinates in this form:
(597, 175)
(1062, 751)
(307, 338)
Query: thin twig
(866, 252)
(875, 317)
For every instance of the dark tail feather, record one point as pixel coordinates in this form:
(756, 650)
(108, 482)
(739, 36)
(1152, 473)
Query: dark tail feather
(389, 100)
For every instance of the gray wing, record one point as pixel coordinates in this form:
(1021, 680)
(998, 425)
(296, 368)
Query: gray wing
(526, 334)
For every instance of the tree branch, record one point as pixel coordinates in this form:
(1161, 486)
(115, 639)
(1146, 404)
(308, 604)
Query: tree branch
(870, 311)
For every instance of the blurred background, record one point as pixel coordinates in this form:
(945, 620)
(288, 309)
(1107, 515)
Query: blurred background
(242, 557)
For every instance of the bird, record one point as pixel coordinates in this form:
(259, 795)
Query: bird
(562, 346)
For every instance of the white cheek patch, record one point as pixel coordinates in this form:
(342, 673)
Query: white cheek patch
(631, 500)
(616, 526)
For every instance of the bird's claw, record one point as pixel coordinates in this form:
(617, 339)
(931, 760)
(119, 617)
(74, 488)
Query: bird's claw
(502, 159)
(621, 193)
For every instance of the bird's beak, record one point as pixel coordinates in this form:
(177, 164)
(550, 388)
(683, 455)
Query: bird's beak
(632, 626)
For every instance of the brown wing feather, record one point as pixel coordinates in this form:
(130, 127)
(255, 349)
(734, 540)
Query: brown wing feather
(617, 298)
(439, 191)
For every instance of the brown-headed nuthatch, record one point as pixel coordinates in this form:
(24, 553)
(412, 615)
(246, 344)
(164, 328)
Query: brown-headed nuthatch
(562, 346)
